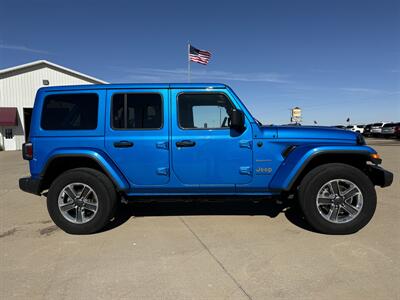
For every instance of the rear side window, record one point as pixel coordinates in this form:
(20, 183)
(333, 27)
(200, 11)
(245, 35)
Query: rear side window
(70, 112)
(136, 111)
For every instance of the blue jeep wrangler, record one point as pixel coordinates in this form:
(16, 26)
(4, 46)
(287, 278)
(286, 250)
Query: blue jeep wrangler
(91, 147)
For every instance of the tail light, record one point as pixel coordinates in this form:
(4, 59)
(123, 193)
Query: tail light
(397, 129)
(27, 151)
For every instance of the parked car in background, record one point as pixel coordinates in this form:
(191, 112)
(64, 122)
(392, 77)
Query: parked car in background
(397, 131)
(367, 130)
(356, 128)
(389, 130)
(376, 129)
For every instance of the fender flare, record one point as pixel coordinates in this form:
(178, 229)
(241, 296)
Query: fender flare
(101, 158)
(291, 168)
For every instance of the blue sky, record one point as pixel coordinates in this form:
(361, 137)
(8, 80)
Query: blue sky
(334, 59)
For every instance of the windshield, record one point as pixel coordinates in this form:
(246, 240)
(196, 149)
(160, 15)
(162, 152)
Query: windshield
(388, 125)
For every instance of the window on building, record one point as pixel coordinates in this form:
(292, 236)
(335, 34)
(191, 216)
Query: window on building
(70, 112)
(8, 134)
(137, 111)
(204, 111)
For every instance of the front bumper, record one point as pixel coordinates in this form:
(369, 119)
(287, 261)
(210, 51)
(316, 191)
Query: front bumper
(30, 185)
(380, 176)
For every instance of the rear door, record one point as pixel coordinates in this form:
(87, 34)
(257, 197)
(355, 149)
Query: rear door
(137, 134)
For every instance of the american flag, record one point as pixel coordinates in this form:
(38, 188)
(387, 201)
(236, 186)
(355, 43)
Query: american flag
(199, 56)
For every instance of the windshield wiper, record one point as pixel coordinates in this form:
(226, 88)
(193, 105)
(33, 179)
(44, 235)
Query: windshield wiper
(258, 122)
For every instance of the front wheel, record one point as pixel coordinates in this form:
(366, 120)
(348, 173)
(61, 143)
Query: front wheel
(337, 198)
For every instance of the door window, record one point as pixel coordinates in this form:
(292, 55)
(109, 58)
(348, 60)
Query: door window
(204, 111)
(137, 111)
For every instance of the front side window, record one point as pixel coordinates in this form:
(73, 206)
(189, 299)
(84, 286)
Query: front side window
(204, 111)
(137, 111)
(70, 112)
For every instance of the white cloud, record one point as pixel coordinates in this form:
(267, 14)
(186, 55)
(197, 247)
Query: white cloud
(361, 90)
(22, 48)
(369, 92)
(169, 75)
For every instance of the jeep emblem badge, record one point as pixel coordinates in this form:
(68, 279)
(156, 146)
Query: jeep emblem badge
(263, 170)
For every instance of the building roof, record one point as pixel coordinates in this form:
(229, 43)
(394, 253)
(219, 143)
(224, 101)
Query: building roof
(42, 64)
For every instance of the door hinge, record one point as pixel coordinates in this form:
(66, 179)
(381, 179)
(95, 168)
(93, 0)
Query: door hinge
(163, 171)
(246, 144)
(162, 145)
(245, 170)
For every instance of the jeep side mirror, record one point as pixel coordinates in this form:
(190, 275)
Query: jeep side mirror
(237, 120)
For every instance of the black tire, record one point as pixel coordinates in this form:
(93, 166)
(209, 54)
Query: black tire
(100, 184)
(114, 197)
(317, 178)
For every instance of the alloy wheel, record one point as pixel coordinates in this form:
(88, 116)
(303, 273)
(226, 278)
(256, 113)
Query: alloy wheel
(339, 201)
(78, 203)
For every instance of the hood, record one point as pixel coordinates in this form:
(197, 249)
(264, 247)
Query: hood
(314, 132)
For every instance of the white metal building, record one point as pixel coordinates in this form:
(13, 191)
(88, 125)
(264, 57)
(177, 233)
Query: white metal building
(18, 87)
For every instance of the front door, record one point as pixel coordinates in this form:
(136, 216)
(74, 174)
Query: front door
(137, 135)
(206, 152)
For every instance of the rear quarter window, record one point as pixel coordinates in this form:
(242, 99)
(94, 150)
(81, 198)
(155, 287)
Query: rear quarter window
(70, 112)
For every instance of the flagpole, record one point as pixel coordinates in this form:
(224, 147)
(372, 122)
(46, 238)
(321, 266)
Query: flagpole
(188, 52)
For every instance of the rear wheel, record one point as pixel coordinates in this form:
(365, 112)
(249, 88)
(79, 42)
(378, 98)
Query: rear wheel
(81, 201)
(337, 198)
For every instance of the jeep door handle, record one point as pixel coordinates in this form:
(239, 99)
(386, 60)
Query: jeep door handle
(123, 144)
(186, 143)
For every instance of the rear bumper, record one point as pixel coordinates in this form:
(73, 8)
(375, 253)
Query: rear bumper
(30, 185)
(380, 176)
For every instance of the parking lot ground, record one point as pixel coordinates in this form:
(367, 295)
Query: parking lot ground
(224, 250)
